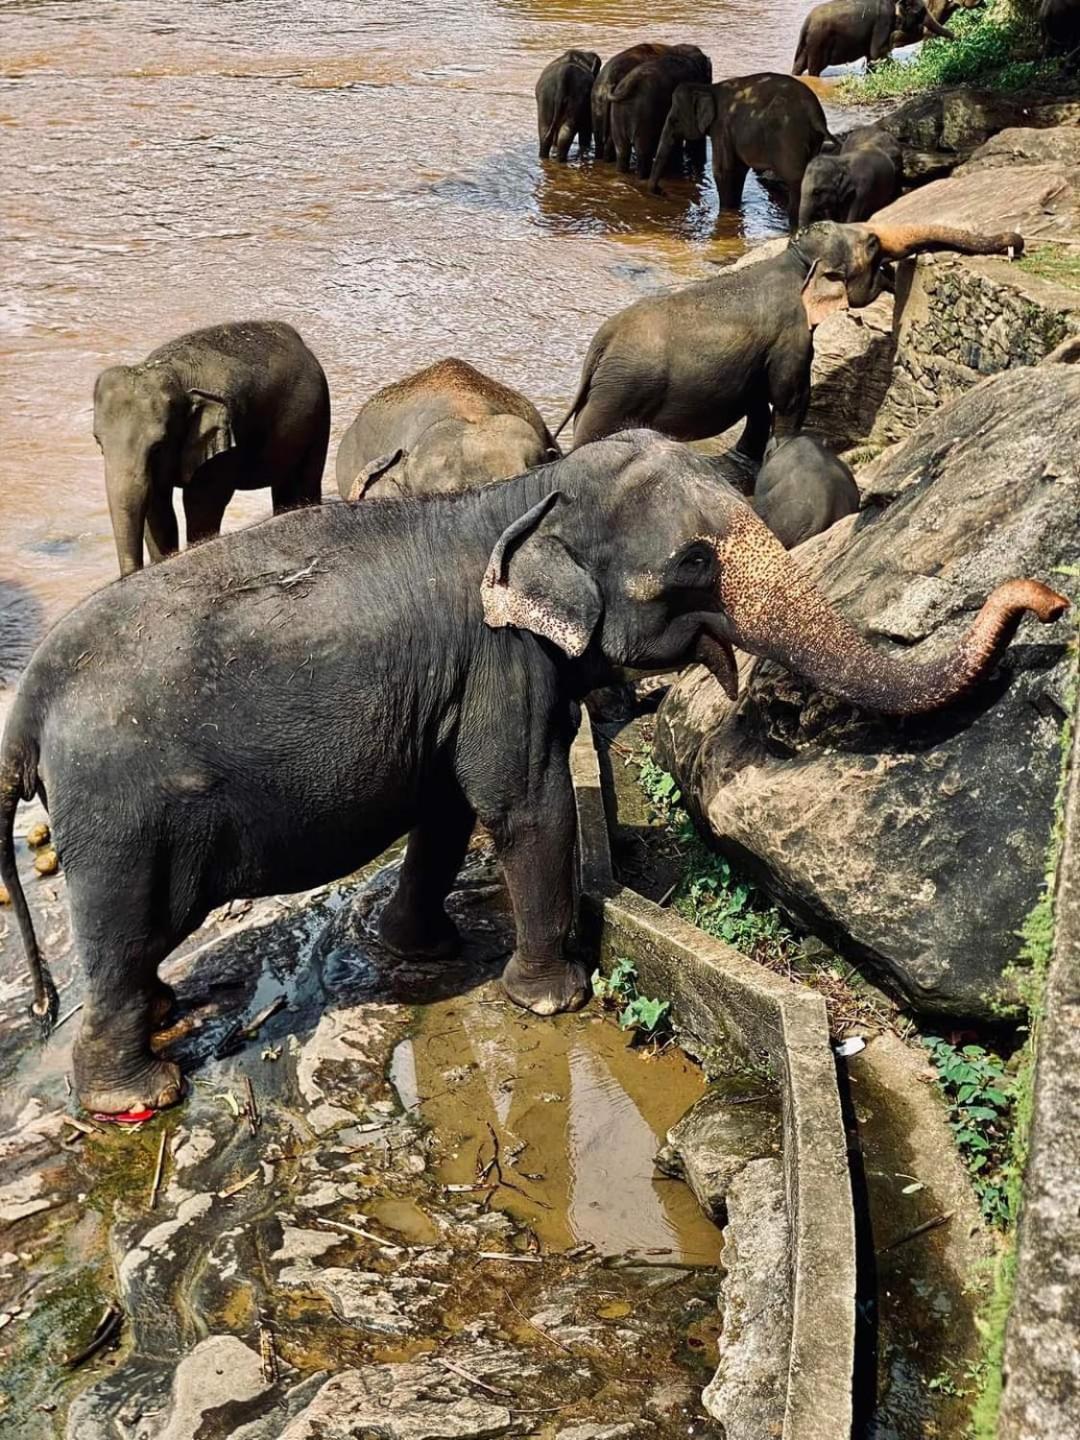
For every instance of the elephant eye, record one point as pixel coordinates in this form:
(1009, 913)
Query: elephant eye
(695, 566)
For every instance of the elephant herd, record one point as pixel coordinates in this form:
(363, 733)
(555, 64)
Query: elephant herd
(269, 710)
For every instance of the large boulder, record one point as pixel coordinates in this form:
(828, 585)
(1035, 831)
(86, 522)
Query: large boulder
(917, 844)
(942, 129)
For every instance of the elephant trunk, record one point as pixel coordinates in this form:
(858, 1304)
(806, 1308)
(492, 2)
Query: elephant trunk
(668, 138)
(129, 494)
(899, 241)
(772, 609)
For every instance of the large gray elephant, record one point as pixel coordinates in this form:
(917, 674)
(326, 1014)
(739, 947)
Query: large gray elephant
(755, 122)
(233, 407)
(693, 362)
(642, 99)
(445, 647)
(803, 489)
(564, 103)
(448, 427)
(1059, 22)
(840, 31)
(607, 81)
(863, 178)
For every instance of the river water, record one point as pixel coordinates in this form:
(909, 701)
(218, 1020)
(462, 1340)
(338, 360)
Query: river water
(365, 169)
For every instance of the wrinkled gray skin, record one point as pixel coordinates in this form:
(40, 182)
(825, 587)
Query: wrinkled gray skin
(841, 31)
(694, 361)
(1059, 22)
(445, 645)
(864, 177)
(446, 428)
(564, 103)
(641, 101)
(607, 81)
(802, 489)
(755, 122)
(233, 407)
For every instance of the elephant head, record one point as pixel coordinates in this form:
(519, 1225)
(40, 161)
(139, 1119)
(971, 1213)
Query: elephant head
(664, 564)
(843, 262)
(827, 189)
(154, 433)
(454, 455)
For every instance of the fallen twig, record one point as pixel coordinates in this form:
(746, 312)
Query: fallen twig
(533, 1325)
(254, 1026)
(358, 1230)
(65, 1018)
(251, 1107)
(158, 1168)
(268, 1353)
(472, 1379)
(933, 1224)
(235, 1189)
(106, 1331)
(513, 1259)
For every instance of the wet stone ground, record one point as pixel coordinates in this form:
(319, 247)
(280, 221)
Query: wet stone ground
(444, 1219)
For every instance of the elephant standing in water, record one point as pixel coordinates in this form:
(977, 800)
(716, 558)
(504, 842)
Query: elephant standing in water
(693, 362)
(841, 31)
(605, 85)
(446, 428)
(755, 122)
(641, 101)
(233, 407)
(445, 646)
(564, 103)
(863, 178)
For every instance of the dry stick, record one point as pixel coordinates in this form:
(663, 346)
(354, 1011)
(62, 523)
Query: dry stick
(107, 1328)
(933, 1224)
(356, 1230)
(513, 1259)
(156, 1186)
(268, 1353)
(252, 1108)
(254, 1026)
(65, 1018)
(533, 1325)
(472, 1379)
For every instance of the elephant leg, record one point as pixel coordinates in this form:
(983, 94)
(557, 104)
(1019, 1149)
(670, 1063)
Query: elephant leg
(697, 153)
(756, 431)
(794, 189)
(565, 140)
(304, 485)
(162, 534)
(730, 174)
(414, 922)
(789, 388)
(204, 509)
(535, 844)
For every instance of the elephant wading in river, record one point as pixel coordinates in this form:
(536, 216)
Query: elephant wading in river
(611, 72)
(444, 644)
(233, 407)
(448, 427)
(694, 361)
(864, 177)
(641, 101)
(759, 122)
(564, 103)
(841, 31)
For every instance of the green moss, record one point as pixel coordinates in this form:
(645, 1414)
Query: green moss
(1059, 263)
(995, 47)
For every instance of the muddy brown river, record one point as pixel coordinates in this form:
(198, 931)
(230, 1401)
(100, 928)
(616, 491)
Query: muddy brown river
(365, 169)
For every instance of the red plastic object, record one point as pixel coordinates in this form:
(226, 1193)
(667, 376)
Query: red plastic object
(124, 1117)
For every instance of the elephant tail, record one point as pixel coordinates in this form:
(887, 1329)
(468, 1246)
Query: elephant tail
(592, 359)
(798, 65)
(18, 781)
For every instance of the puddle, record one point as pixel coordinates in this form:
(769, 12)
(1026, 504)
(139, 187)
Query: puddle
(569, 1115)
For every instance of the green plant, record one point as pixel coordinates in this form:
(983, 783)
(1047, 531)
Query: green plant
(996, 46)
(1061, 264)
(639, 1012)
(980, 1096)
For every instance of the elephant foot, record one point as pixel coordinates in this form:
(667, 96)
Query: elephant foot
(546, 991)
(155, 1086)
(412, 935)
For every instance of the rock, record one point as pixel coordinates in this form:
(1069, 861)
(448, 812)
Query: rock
(1059, 145)
(940, 130)
(716, 1139)
(398, 1402)
(916, 845)
(220, 1371)
(748, 1391)
(626, 1430)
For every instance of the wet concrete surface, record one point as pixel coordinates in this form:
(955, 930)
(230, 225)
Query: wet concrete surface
(413, 1128)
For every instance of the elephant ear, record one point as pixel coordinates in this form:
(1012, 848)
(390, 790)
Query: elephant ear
(823, 293)
(704, 109)
(372, 471)
(209, 432)
(532, 582)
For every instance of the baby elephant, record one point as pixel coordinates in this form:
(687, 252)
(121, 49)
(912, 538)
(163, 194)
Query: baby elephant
(851, 186)
(233, 407)
(802, 489)
(564, 103)
(444, 429)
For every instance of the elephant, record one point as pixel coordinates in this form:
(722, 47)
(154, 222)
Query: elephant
(642, 99)
(761, 122)
(446, 428)
(841, 31)
(863, 178)
(802, 489)
(611, 72)
(564, 103)
(1059, 24)
(233, 407)
(694, 361)
(445, 646)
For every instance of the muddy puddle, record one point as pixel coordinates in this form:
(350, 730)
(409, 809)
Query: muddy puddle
(436, 1194)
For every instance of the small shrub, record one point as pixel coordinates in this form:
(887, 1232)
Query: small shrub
(638, 1012)
(980, 1096)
